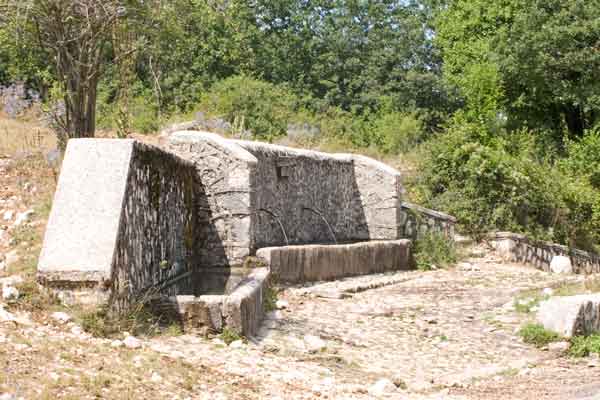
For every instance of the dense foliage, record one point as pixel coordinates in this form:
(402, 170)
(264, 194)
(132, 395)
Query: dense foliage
(499, 102)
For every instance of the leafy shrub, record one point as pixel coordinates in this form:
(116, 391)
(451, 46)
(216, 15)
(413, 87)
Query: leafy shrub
(483, 185)
(537, 335)
(583, 157)
(582, 346)
(396, 132)
(433, 249)
(497, 185)
(262, 107)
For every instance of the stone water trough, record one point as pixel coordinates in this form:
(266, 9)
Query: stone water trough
(205, 224)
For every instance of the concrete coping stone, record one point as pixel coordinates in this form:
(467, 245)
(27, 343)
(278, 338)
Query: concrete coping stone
(427, 211)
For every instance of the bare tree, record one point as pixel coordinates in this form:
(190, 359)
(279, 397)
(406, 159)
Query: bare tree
(76, 34)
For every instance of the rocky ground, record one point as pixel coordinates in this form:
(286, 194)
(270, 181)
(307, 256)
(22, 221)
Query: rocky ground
(444, 334)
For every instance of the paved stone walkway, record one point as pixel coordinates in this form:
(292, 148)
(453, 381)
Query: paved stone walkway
(446, 334)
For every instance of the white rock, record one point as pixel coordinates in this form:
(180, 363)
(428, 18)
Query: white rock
(282, 304)
(559, 347)
(314, 344)
(12, 280)
(77, 331)
(61, 317)
(23, 217)
(571, 315)
(116, 343)
(236, 344)
(11, 258)
(561, 265)
(382, 387)
(7, 396)
(548, 291)
(132, 342)
(10, 293)
(5, 316)
(156, 377)
(8, 215)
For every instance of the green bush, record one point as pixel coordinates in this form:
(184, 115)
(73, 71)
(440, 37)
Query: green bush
(582, 346)
(505, 184)
(583, 157)
(537, 335)
(263, 108)
(485, 186)
(433, 249)
(396, 132)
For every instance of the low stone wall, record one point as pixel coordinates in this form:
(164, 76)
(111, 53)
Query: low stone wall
(519, 248)
(241, 310)
(311, 263)
(416, 220)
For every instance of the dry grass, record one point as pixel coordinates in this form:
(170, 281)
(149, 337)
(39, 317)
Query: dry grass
(24, 135)
(67, 368)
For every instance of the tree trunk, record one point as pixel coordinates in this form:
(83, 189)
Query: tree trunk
(575, 120)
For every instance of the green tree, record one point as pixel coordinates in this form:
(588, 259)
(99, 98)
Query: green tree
(536, 61)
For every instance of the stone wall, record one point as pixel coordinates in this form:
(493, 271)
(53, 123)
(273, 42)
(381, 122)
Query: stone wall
(310, 263)
(415, 220)
(226, 174)
(261, 195)
(379, 197)
(123, 221)
(157, 244)
(519, 248)
(304, 197)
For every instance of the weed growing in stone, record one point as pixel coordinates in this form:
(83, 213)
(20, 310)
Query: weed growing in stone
(433, 250)
(270, 298)
(537, 335)
(138, 320)
(527, 301)
(229, 336)
(582, 346)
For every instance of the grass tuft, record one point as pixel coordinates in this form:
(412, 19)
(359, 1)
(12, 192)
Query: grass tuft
(582, 346)
(229, 336)
(434, 249)
(537, 335)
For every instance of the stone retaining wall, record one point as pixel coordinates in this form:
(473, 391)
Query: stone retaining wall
(311, 263)
(303, 196)
(415, 220)
(519, 248)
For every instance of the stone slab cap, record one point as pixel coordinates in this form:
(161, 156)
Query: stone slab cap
(201, 136)
(427, 211)
(82, 230)
(571, 316)
(291, 151)
(371, 162)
